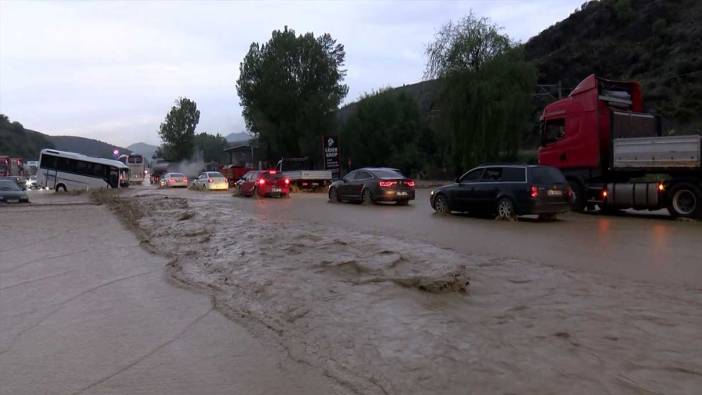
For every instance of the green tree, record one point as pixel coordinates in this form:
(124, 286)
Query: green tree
(289, 89)
(211, 146)
(387, 129)
(486, 92)
(178, 130)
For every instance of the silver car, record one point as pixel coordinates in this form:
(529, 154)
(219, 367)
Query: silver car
(210, 181)
(10, 192)
(173, 180)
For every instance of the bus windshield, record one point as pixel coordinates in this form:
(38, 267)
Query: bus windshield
(136, 159)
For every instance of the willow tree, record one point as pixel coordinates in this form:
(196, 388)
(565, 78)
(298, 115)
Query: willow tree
(486, 91)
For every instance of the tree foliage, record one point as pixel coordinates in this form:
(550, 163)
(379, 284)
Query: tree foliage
(211, 147)
(387, 129)
(289, 89)
(486, 92)
(464, 45)
(178, 130)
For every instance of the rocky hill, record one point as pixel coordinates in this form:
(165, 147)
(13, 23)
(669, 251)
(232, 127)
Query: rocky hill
(656, 42)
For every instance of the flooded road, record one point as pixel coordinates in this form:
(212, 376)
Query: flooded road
(392, 300)
(645, 247)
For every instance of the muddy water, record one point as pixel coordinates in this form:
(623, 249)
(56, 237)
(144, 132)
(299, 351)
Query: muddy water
(384, 315)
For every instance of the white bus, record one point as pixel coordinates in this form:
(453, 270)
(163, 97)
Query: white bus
(137, 167)
(68, 171)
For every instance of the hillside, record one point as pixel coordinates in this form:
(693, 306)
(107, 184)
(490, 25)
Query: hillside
(85, 146)
(15, 140)
(656, 42)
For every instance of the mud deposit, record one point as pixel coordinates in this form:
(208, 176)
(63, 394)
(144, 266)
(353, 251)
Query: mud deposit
(388, 316)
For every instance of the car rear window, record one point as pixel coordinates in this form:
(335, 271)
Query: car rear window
(546, 175)
(177, 175)
(387, 173)
(215, 175)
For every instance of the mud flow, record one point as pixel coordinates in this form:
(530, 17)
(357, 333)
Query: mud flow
(382, 315)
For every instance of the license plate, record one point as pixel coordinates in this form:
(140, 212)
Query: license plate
(12, 200)
(554, 193)
(276, 189)
(402, 194)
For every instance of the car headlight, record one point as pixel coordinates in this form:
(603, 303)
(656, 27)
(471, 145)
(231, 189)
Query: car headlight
(431, 193)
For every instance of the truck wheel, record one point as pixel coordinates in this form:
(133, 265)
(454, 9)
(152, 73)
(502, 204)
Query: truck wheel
(577, 196)
(60, 188)
(685, 201)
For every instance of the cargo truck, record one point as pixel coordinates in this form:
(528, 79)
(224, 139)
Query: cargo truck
(614, 155)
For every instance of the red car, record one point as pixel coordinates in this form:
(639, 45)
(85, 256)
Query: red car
(263, 183)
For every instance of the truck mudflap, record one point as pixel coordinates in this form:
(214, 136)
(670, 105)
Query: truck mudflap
(640, 195)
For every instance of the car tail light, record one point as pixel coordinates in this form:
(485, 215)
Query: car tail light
(210, 181)
(604, 194)
(409, 183)
(185, 179)
(287, 181)
(261, 182)
(534, 191)
(386, 184)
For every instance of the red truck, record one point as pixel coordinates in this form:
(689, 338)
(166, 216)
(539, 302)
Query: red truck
(613, 154)
(11, 166)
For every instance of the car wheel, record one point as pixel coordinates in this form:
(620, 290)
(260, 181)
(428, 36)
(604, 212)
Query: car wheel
(366, 197)
(685, 201)
(505, 209)
(333, 195)
(441, 205)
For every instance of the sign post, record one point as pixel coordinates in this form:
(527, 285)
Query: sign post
(331, 155)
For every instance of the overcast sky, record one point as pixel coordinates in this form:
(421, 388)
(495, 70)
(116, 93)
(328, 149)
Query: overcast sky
(112, 70)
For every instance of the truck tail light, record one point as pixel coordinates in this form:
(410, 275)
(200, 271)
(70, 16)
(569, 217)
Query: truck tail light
(661, 187)
(261, 182)
(409, 183)
(534, 191)
(287, 181)
(386, 184)
(604, 194)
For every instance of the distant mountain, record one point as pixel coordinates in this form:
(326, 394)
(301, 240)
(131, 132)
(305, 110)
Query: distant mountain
(146, 150)
(237, 137)
(85, 146)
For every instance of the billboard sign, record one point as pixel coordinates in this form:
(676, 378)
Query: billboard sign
(331, 152)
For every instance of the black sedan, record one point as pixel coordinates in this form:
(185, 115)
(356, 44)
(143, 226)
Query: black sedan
(10, 192)
(506, 191)
(369, 185)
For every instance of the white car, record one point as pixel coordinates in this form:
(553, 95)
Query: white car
(210, 181)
